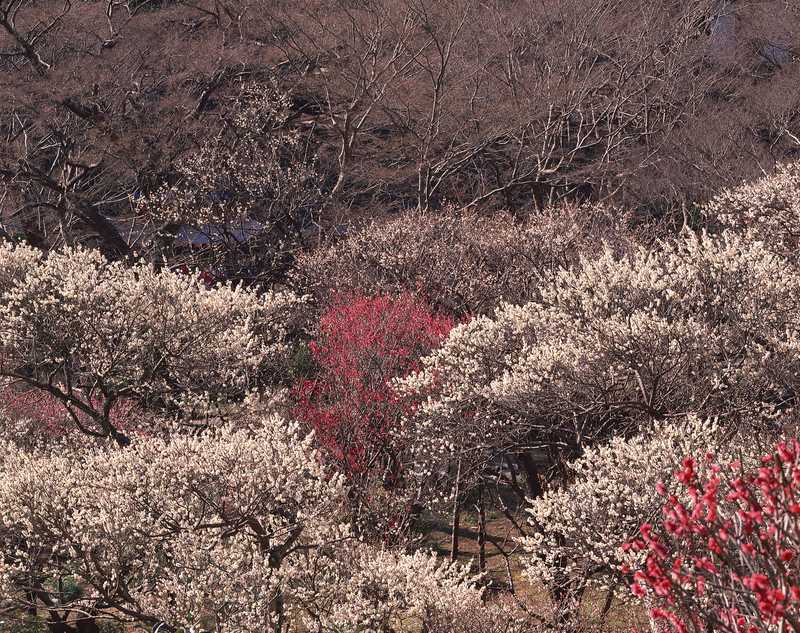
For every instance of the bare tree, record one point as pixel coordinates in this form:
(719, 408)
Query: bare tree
(28, 29)
(563, 95)
(350, 55)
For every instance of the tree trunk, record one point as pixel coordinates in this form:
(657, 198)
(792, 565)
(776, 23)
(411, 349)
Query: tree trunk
(87, 625)
(59, 625)
(481, 531)
(280, 613)
(113, 245)
(455, 524)
(531, 475)
(423, 187)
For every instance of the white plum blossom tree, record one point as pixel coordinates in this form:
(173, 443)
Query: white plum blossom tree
(94, 334)
(236, 530)
(578, 529)
(242, 200)
(703, 325)
(768, 208)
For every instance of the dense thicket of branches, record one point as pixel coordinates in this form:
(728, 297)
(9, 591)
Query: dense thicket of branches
(390, 105)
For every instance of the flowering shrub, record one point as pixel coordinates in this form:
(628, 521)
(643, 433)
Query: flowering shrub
(724, 554)
(166, 530)
(247, 193)
(379, 590)
(501, 614)
(705, 325)
(767, 208)
(93, 334)
(364, 343)
(461, 262)
(575, 543)
(238, 530)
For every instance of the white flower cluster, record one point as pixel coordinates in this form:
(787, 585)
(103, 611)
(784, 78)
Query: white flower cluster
(578, 530)
(702, 325)
(94, 332)
(253, 169)
(170, 530)
(768, 207)
(461, 262)
(376, 590)
(235, 530)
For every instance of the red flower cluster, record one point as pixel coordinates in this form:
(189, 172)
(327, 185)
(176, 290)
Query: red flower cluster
(724, 556)
(365, 342)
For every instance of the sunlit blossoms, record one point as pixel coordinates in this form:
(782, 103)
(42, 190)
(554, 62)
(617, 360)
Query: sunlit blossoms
(704, 325)
(769, 208)
(168, 531)
(236, 530)
(457, 429)
(722, 554)
(253, 169)
(580, 545)
(93, 334)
